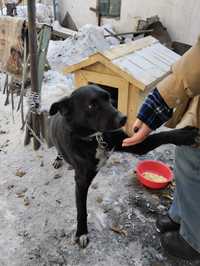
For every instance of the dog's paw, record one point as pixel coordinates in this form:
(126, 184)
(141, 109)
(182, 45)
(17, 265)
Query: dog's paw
(82, 240)
(197, 139)
(187, 136)
(58, 162)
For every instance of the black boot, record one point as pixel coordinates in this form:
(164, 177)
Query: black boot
(176, 246)
(164, 224)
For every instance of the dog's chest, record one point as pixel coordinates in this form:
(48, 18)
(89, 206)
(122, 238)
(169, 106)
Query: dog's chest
(102, 152)
(102, 155)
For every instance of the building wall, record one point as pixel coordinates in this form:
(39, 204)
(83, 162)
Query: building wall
(181, 17)
(46, 2)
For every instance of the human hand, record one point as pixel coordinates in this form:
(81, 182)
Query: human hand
(141, 131)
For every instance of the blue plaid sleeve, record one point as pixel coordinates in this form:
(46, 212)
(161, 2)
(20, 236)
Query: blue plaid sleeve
(154, 111)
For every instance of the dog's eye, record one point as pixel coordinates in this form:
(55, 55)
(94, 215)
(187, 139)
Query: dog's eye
(92, 106)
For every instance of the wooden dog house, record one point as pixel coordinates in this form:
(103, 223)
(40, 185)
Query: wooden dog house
(132, 69)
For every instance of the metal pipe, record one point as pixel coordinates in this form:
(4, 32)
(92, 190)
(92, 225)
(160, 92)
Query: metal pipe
(55, 9)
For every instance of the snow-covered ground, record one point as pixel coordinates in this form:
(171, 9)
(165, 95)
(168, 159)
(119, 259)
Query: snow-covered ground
(38, 214)
(37, 203)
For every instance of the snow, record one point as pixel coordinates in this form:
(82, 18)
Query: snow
(55, 86)
(88, 40)
(57, 27)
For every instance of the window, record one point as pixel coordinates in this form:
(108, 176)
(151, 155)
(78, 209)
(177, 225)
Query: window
(110, 8)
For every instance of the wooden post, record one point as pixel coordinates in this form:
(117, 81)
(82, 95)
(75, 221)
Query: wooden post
(33, 66)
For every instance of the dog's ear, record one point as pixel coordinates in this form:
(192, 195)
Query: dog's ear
(53, 109)
(62, 106)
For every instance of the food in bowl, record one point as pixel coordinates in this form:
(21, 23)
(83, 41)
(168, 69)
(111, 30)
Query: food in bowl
(154, 168)
(154, 177)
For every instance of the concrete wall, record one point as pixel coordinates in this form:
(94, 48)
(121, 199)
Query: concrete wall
(181, 17)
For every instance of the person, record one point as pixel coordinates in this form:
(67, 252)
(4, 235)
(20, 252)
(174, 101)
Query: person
(176, 100)
(11, 7)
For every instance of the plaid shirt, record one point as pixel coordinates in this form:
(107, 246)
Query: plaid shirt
(154, 111)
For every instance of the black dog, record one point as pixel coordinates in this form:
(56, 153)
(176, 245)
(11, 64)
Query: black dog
(84, 127)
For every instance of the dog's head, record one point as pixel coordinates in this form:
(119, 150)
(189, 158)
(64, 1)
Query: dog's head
(89, 107)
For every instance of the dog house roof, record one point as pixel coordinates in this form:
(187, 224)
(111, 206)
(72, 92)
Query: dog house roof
(142, 62)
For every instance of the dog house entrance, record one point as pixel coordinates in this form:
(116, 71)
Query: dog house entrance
(113, 92)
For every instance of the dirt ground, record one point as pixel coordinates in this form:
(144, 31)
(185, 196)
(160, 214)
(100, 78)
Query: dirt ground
(38, 215)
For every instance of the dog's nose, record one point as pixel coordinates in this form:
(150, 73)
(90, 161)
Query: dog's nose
(123, 120)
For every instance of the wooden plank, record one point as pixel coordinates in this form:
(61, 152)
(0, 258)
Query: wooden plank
(100, 68)
(156, 73)
(123, 98)
(162, 57)
(123, 73)
(135, 99)
(142, 95)
(140, 61)
(138, 73)
(148, 67)
(154, 83)
(103, 79)
(98, 57)
(84, 63)
(159, 59)
(166, 51)
(80, 80)
(133, 103)
(152, 59)
(166, 54)
(128, 48)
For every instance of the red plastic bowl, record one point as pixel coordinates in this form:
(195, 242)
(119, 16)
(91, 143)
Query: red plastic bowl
(155, 167)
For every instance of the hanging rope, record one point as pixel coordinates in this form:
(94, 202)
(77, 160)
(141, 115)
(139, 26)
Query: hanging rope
(34, 102)
(34, 135)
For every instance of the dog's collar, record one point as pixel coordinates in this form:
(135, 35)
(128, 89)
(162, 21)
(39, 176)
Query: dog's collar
(98, 136)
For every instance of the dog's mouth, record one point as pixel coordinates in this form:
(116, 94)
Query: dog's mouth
(119, 121)
(122, 121)
(115, 124)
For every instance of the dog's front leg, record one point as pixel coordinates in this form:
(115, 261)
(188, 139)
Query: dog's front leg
(183, 136)
(82, 186)
(81, 205)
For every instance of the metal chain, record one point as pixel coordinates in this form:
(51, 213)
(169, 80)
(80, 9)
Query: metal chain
(100, 141)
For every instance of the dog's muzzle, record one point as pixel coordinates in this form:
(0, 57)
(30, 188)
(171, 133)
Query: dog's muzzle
(121, 120)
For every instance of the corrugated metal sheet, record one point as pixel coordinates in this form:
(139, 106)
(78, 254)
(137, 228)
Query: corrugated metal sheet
(148, 64)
